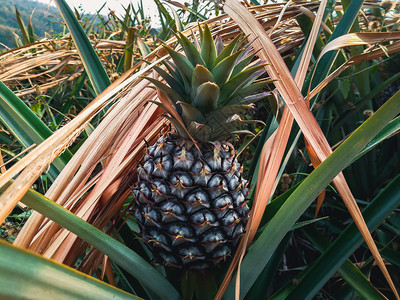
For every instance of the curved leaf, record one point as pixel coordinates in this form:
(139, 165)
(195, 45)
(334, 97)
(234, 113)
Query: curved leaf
(207, 96)
(208, 50)
(227, 51)
(200, 75)
(183, 65)
(190, 50)
(343, 27)
(97, 75)
(223, 70)
(24, 275)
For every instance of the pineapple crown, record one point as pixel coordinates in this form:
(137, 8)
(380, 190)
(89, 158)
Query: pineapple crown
(210, 86)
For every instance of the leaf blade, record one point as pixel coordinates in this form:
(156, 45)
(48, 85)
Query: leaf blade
(93, 66)
(47, 279)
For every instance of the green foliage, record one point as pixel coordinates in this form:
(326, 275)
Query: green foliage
(25, 275)
(43, 19)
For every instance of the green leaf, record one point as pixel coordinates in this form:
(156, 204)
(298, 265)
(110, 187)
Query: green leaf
(93, 66)
(119, 253)
(190, 50)
(262, 250)
(143, 48)
(22, 27)
(163, 11)
(172, 70)
(128, 55)
(241, 64)
(173, 83)
(172, 95)
(208, 50)
(24, 275)
(31, 35)
(191, 113)
(306, 223)
(26, 127)
(223, 70)
(206, 98)
(389, 130)
(183, 65)
(178, 23)
(264, 282)
(200, 75)
(236, 82)
(227, 51)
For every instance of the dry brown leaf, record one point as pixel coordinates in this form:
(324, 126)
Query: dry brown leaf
(2, 164)
(63, 186)
(359, 38)
(109, 175)
(320, 201)
(315, 163)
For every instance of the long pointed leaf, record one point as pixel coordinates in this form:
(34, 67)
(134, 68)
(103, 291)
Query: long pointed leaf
(22, 27)
(223, 70)
(24, 275)
(190, 50)
(227, 51)
(236, 82)
(343, 27)
(97, 75)
(208, 50)
(173, 83)
(184, 66)
(172, 95)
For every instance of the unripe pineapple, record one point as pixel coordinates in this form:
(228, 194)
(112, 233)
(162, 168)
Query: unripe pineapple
(191, 199)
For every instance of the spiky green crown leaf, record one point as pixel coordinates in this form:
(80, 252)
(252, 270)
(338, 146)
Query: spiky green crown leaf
(210, 85)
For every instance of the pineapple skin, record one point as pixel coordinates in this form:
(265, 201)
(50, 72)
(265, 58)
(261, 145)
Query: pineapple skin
(191, 206)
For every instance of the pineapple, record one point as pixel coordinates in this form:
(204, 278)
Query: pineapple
(191, 198)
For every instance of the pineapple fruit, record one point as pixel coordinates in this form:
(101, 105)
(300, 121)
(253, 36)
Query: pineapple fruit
(191, 198)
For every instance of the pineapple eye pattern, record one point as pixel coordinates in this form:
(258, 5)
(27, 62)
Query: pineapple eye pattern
(186, 223)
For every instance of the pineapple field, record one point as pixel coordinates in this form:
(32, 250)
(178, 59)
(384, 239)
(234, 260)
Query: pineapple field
(239, 150)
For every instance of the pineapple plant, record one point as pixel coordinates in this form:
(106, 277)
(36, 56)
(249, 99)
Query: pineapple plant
(191, 198)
